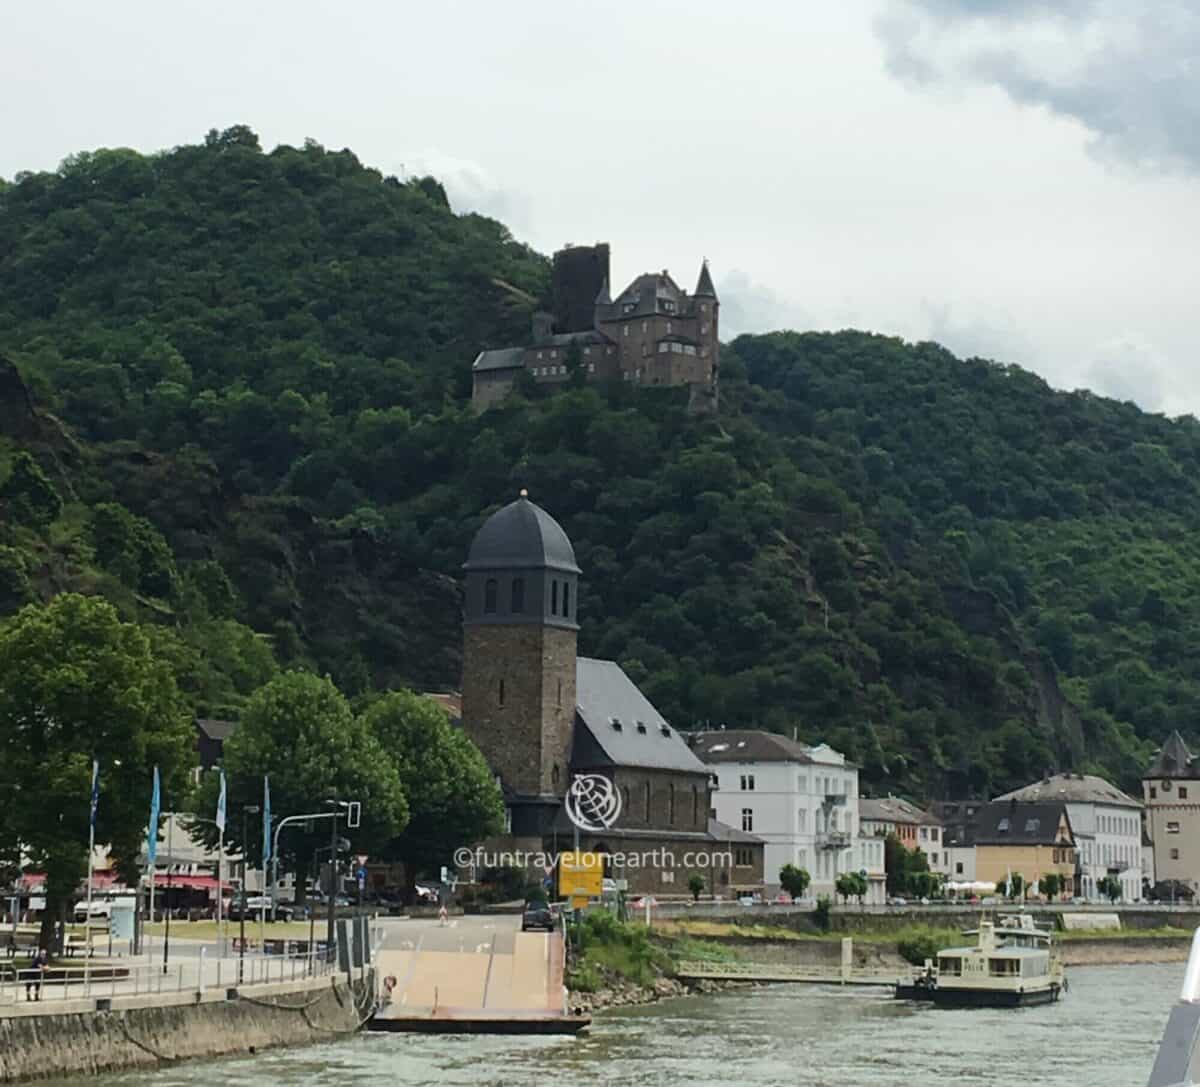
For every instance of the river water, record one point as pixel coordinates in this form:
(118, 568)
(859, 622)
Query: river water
(1104, 1033)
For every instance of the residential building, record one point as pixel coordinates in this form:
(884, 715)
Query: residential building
(543, 716)
(801, 800)
(957, 819)
(1107, 826)
(1171, 792)
(1029, 839)
(913, 826)
(652, 333)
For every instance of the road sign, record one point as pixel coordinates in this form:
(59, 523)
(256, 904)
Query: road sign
(362, 874)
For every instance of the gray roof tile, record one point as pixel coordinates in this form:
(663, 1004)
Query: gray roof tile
(604, 693)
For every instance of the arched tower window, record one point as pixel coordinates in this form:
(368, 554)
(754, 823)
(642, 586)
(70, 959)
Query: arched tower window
(647, 801)
(671, 809)
(500, 693)
(518, 595)
(554, 598)
(695, 806)
(560, 694)
(489, 596)
(566, 600)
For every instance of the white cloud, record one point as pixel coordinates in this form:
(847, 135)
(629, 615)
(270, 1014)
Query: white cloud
(470, 186)
(1125, 70)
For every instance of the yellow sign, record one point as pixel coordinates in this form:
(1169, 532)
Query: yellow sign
(580, 875)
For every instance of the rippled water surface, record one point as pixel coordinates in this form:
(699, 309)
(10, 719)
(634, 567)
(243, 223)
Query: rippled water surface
(1104, 1033)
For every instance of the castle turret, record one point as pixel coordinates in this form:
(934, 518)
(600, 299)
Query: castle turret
(519, 650)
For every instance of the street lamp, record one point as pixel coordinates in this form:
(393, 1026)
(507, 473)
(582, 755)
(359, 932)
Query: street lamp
(249, 809)
(342, 805)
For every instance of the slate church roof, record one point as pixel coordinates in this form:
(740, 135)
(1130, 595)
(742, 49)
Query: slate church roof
(522, 535)
(1173, 761)
(616, 725)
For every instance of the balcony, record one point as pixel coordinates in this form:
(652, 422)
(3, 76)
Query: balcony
(835, 800)
(833, 839)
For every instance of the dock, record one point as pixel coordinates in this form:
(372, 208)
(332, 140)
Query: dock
(770, 973)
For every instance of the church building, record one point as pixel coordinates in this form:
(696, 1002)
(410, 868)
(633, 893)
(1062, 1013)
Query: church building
(544, 716)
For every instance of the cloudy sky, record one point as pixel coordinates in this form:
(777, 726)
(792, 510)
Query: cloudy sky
(1018, 179)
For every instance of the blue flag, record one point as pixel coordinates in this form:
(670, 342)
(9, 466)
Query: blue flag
(266, 850)
(152, 831)
(221, 805)
(95, 792)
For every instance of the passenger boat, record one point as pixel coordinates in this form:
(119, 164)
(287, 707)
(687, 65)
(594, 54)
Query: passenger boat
(1013, 963)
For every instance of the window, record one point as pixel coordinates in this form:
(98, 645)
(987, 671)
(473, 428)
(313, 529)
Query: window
(1174, 854)
(668, 328)
(500, 693)
(508, 820)
(518, 595)
(933, 858)
(802, 783)
(703, 307)
(554, 774)
(801, 819)
(566, 609)
(1153, 793)
(591, 367)
(933, 834)
(1182, 792)
(671, 805)
(539, 354)
(1002, 826)
(1166, 786)
(1031, 825)
(924, 834)
(554, 598)
(1172, 828)
(747, 782)
(560, 694)
(645, 326)
(747, 819)
(587, 351)
(663, 348)
(627, 327)
(489, 597)
(958, 868)
(743, 858)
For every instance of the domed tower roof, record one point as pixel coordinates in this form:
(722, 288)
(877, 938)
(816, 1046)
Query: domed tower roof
(521, 536)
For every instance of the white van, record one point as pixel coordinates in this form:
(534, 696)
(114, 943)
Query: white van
(102, 906)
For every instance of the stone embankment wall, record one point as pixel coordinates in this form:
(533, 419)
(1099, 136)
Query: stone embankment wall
(81, 1043)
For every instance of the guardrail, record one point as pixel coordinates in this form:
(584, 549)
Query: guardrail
(120, 979)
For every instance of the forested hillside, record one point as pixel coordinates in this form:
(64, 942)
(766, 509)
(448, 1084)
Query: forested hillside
(233, 398)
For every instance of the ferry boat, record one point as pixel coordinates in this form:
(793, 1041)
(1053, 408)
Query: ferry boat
(1013, 964)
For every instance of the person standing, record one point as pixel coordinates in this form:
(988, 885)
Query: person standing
(37, 972)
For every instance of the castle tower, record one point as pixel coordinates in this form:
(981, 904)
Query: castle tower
(519, 649)
(707, 309)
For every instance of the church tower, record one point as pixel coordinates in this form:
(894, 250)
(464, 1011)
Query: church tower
(519, 649)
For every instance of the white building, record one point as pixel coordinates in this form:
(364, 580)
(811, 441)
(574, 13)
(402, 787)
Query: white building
(1107, 825)
(802, 801)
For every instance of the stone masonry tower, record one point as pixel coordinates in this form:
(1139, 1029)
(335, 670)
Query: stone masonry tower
(519, 648)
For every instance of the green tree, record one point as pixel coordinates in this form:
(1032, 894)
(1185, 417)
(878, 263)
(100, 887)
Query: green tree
(77, 684)
(1051, 885)
(28, 495)
(696, 886)
(453, 798)
(300, 732)
(794, 880)
(1110, 887)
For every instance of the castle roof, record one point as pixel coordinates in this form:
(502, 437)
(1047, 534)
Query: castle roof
(1073, 789)
(522, 535)
(1174, 760)
(645, 292)
(704, 285)
(504, 358)
(620, 726)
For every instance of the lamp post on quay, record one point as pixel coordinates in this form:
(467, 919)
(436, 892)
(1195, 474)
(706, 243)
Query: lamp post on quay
(250, 809)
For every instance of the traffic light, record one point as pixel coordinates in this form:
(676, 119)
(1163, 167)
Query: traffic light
(354, 814)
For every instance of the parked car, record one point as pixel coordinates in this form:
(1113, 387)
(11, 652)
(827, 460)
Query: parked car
(253, 906)
(537, 915)
(896, 900)
(644, 901)
(782, 899)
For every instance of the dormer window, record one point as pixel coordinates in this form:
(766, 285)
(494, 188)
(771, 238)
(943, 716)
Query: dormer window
(616, 723)
(1002, 826)
(628, 307)
(664, 730)
(641, 727)
(489, 597)
(668, 306)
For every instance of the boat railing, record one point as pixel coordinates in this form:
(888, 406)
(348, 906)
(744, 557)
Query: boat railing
(1178, 1061)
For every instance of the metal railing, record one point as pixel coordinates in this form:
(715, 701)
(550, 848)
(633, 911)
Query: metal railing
(833, 839)
(750, 971)
(113, 979)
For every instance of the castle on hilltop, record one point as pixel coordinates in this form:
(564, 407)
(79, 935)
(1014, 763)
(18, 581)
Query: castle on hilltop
(652, 333)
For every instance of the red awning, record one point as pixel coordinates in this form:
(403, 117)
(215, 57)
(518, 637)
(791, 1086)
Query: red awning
(195, 883)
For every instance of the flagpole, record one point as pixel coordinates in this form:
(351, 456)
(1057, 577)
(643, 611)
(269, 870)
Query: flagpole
(220, 870)
(87, 922)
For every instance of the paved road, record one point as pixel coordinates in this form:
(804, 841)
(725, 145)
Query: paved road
(471, 965)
